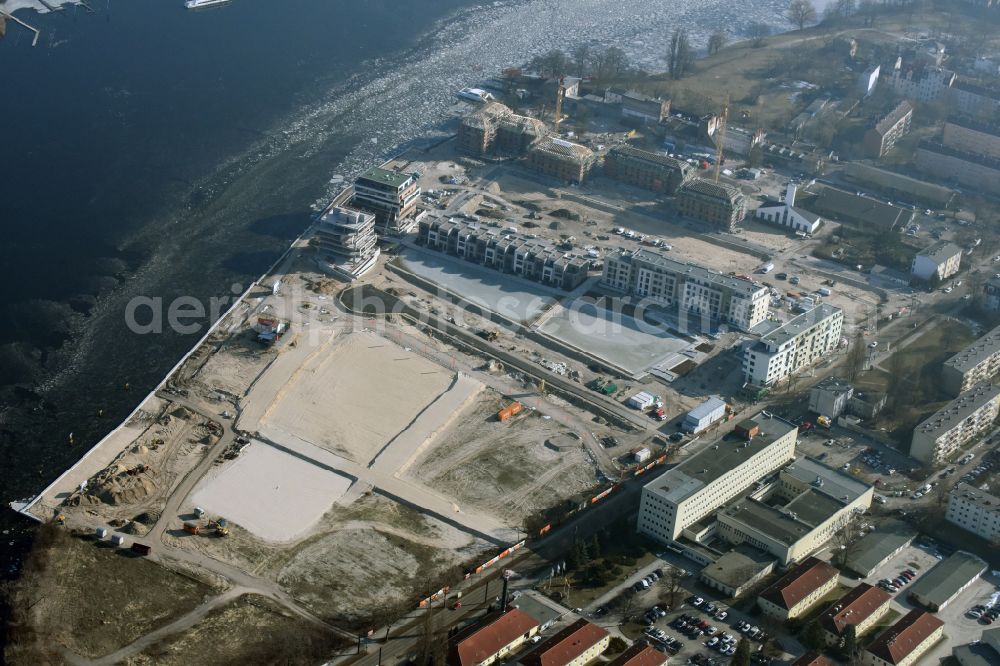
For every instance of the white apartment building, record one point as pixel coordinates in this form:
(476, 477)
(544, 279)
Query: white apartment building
(944, 433)
(920, 82)
(977, 363)
(687, 288)
(799, 342)
(974, 510)
(704, 482)
(941, 260)
(346, 242)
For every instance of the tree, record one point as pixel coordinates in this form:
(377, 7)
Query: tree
(812, 635)
(856, 357)
(582, 59)
(609, 64)
(850, 642)
(680, 56)
(552, 64)
(846, 7)
(674, 584)
(801, 12)
(758, 33)
(742, 655)
(715, 42)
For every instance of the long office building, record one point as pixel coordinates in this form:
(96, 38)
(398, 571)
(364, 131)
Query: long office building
(793, 346)
(650, 171)
(687, 289)
(977, 363)
(390, 196)
(957, 423)
(975, 511)
(346, 242)
(505, 251)
(709, 479)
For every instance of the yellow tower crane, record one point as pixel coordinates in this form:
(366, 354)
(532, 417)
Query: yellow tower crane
(720, 137)
(560, 94)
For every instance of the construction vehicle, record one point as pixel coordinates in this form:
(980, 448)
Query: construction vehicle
(824, 421)
(489, 334)
(509, 411)
(192, 528)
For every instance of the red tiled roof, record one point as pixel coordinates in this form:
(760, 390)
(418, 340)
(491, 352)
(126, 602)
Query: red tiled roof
(853, 608)
(566, 645)
(798, 583)
(812, 659)
(639, 655)
(499, 632)
(898, 641)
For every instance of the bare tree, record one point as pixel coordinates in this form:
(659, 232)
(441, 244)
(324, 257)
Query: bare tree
(583, 59)
(801, 12)
(680, 56)
(715, 42)
(758, 33)
(846, 7)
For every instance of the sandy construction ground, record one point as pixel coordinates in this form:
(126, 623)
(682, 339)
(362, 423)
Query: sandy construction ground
(270, 493)
(355, 396)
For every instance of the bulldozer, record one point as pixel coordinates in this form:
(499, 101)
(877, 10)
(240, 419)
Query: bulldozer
(489, 334)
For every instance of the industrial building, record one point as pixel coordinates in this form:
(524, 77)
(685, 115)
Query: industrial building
(639, 654)
(801, 588)
(705, 415)
(977, 363)
(794, 345)
(871, 551)
(564, 160)
(575, 645)
(494, 128)
(718, 205)
(650, 171)
(390, 196)
(889, 129)
(984, 652)
(939, 261)
(860, 608)
(491, 640)
(946, 580)
(785, 213)
(972, 136)
(863, 212)
(965, 168)
(830, 397)
(905, 642)
(687, 289)
(714, 476)
(505, 251)
(974, 510)
(737, 571)
(346, 242)
(956, 424)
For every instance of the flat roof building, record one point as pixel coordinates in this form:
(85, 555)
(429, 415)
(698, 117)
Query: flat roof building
(977, 363)
(718, 205)
(346, 242)
(830, 397)
(793, 346)
(686, 289)
(491, 640)
(650, 171)
(389, 195)
(939, 261)
(705, 415)
(860, 608)
(957, 423)
(798, 590)
(737, 571)
(975, 511)
(576, 645)
(946, 580)
(871, 551)
(904, 642)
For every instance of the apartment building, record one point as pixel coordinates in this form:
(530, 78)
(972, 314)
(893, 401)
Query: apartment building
(798, 590)
(575, 645)
(976, 100)
(972, 136)
(564, 160)
(962, 167)
(889, 129)
(390, 196)
(786, 214)
(939, 261)
(650, 171)
(860, 608)
(718, 205)
(687, 289)
(905, 642)
(504, 251)
(943, 434)
(975, 511)
(346, 242)
(977, 363)
(492, 640)
(714, 476)
(791, 347)
(919, 81)
(495, 128)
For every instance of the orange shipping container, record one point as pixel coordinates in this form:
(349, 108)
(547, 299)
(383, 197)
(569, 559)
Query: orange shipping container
(509, 411)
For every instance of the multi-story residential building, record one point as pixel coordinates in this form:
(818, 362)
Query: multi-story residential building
(516, 134)
(975, 100)
(492, 639)
(389, 195)
(575, 645)
(860, 608)
(495, 128)
(650, 171)
(795, 515)
(974, 510)
(707, 480)
(505, 251)
(687, 289)
(939, 261)
(830, 397)
(798, 590)
(964, 168)
(905, 642)
(977, 363)
(946, 580)
(718, 205)
(346, 242)
(957, 423)
(918, 81)
(889, 129)
(786, 214)
(969, 135)
(564, 160)
(793, 346)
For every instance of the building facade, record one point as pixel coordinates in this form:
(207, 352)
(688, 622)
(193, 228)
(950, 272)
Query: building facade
(957, 423)
(560, 159)
(801, 588)
(938, 262)
(972, 136)
(860, 608)
(920, 82)
(687, 289)
(975, 511)
(977, 363)
(643, 108)
(830, 397)
(718, 205)
(905, 642)
(391, 197)
(650, 171)
(975, 100)
(346, 242)
(889, 129)
(791, 347)
(962, 167)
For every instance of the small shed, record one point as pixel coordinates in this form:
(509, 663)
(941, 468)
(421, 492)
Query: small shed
(101, 533)
(641, 454)
(117, 540)
(641, 400)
